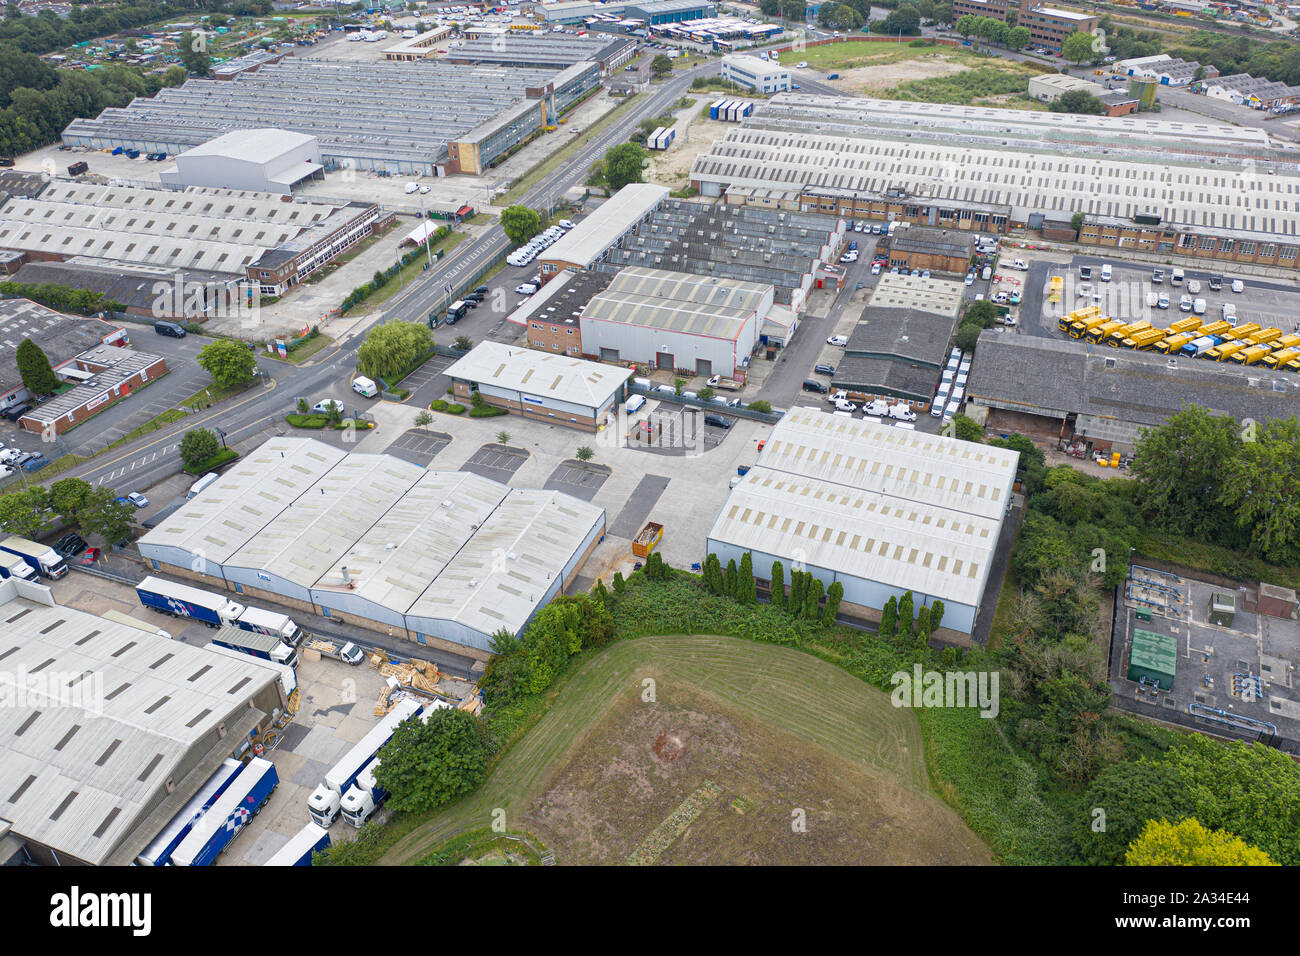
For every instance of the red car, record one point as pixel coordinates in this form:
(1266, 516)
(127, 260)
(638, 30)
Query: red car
(91, 556)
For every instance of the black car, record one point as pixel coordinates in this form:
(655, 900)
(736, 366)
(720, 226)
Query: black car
(717, 421)
(812, 385)
(17, 411)
(824, 369)
(70, 545)
(474, 297)
(481, 290)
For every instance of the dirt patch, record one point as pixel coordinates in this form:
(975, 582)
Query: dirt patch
(782, 800)
(888, 75)
(695, 136)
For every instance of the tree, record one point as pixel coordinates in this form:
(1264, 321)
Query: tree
(967, 429)
(503, 437)
(966, 25)
(193, 50)
(904, 20)
(464, 343)
(198, 447)
(1128, 795)
(1078, 47)
(1076, 222)
(34, 368)
(620, 585)
(520, 223)
(1260, 485)
(1181, 467)
(798, 587)
(423, 418)
(813, 601)
(230, 363)
(745, 589)
(706, 394)
(923, 630)
(585, 453)
(391, 350)
(936, 615)
(983, 312)
(107, 517)
(778, 585)
(70, 499)
(889, 619)
(906, 615)
(427, 764)
(834, 595)
(713, 580)
(1017, 38)
(839, 16)
(762, 405)
(25, 512)
(967, 336)
(623, 165)
(679, 385)
(1187, 843)
(1078, 101)
(661, 65)
(731, 580)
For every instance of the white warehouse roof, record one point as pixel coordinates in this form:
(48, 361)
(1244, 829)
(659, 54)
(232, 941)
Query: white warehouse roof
(559, 377)
(592, 237)
(678, 302)
(252, 145)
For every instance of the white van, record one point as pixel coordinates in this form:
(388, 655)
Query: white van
(198, 486)
(412, 187)
(364, 386)
(1105, 272)
(1199, 306)
(1176, 277)
(635, 403)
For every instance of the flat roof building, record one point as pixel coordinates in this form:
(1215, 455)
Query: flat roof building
(541, 386)
(1049, 26)
(61, 337)
(257, 160)
(111, 729)
(881, 510)
(587, 242)
(444, 558)
(547, 50)
(938, 250)
(761, 76)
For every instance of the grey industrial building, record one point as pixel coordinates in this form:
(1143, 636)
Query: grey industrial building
(675, 320)
(259, 160)
(1105, 397)
(109, 729)
(881, 510)
(546, 50)
(399, 117)
(444, 559)
(900, 342)
(1203, 189)
(61, 337)
(137, 286)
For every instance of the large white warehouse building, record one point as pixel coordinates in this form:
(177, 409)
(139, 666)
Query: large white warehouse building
(446, 559)
(882, 510)
(257, 160)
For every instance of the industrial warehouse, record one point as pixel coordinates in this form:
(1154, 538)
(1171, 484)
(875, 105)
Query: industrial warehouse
(428, 118)
(1200, 189)
(61, 337)
(97, 758)
(900, 342)
(881, 510)
(444, 559)
(1104, 399)
(237, 235)
(546, 50)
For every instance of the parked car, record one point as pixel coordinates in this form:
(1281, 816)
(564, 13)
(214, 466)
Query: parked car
(566, 224)
(717, 421)
(91, 556)
(844, 405)
(821, 368)
(875, 268)
(137, 499)
(812, 385)
(840, 340)
(15, 412)
(526, 288)
(70, 545)
(170, 329)
(970, 278)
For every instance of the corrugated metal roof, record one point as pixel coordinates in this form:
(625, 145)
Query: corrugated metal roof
(559, 377)
(678, 302)
(590, 238)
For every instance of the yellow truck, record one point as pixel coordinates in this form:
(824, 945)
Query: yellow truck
(1286, 342)
(1250, 355)
(1264, 336)
(1081, 327)
(1173, 343)
(1054, 292)
(1237, 332)
(1118, 337)
(1225, 351)
(1146, 340)
(1189, 324)
(1078, 315)
(1293, 365)
(1103, 331)
(1279, 358)
(1215, 328)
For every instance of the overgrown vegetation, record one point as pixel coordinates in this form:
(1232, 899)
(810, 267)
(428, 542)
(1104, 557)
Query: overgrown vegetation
(61, 298)
(961, 88)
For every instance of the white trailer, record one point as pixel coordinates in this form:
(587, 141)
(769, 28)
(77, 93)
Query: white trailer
(159, 852)
(653, 140)
(298, 851)
(326, 800)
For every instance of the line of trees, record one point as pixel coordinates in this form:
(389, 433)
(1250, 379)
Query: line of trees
(993, 31)
(87, 509)
(62, 298)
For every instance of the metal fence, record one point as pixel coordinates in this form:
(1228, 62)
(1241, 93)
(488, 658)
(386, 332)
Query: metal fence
(712, 405)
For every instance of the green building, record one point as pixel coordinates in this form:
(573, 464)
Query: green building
(1153, 658)
(1223, 608)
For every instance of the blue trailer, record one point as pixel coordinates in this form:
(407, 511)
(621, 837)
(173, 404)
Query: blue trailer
(41, 558)
(298, 851)
(181, 600)
(714, 108)
(159, 852)
(244, 797)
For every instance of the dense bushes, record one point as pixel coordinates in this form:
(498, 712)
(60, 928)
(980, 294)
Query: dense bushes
(527, 664)
(61, 298)
(381, 279)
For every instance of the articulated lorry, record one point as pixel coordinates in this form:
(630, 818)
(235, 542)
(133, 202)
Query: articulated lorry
(215, 610)
(364, 798)
(298, 851)
(159, 852)
(268, 647)
(41, 558)
(326, 800)
(230, 813)
(12, 566)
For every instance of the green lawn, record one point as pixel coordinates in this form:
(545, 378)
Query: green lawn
(304, 351)
(411, 271)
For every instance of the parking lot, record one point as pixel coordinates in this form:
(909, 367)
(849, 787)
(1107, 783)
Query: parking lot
(578, 478)
(419, 446)
(496, 461)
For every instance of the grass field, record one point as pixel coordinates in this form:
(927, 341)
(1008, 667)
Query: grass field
(778, 732)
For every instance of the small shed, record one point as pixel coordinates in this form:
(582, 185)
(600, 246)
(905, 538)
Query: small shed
(1153, 659)
(1223, 609)
(1277, 601)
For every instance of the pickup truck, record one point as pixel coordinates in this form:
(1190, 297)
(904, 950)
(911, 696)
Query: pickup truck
(347, 653)
(717, 381)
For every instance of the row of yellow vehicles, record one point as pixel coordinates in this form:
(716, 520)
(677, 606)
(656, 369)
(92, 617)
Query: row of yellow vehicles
(1221, 341)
